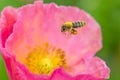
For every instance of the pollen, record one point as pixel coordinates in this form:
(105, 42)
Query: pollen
(45, 59)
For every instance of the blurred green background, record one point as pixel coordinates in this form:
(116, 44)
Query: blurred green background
(106, 12)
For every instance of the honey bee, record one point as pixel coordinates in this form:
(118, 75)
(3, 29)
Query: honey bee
(71, 27)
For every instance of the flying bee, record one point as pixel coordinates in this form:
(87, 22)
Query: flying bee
(71, 27)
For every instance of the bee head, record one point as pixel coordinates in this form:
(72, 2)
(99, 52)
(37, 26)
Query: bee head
(66, 26)
(63, 28)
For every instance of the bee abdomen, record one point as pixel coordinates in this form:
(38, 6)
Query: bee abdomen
(78, 24)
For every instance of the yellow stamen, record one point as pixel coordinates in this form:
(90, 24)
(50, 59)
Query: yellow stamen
(43, 60)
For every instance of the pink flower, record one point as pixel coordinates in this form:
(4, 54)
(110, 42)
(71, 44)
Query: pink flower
(34, 48)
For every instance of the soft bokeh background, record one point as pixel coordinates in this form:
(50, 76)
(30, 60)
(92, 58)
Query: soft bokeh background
(106, 12)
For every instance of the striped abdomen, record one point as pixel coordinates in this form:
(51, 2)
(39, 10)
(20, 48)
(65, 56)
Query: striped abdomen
(78, 24)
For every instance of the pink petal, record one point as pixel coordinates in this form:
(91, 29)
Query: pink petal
(7, 20)
(85, 44)
(17, 71)
(98, 68)
(60, 74)
(26, 32)
(93, 66)
(32, 25)
(12, 68)
(87, 77)
(40, 23)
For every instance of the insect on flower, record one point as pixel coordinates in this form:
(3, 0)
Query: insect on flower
(31, 52)
(70, 27)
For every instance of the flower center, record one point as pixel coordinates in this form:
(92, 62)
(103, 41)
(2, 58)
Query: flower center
(43, 60)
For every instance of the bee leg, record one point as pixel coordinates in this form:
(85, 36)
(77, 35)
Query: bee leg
(64, 33)
(71, 30)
